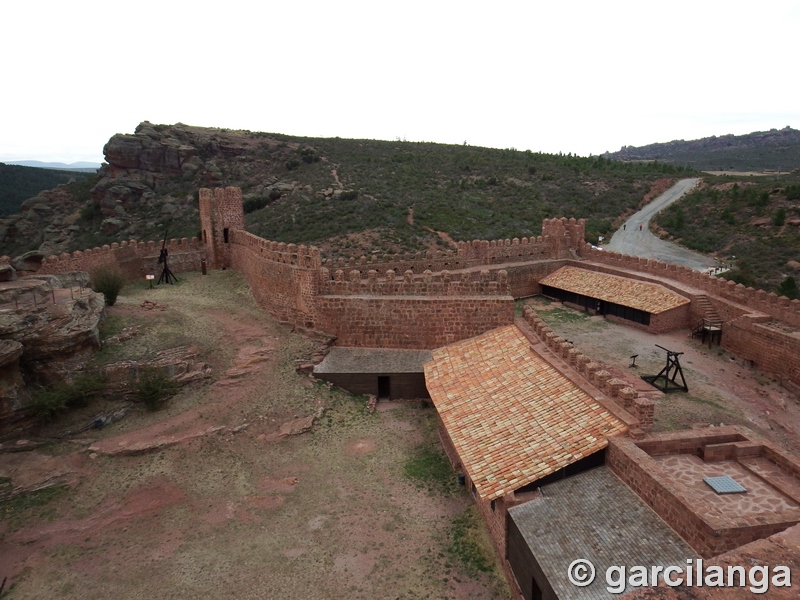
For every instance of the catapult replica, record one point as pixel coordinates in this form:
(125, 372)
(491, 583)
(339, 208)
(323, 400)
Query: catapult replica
(166, 275)
(665, 380)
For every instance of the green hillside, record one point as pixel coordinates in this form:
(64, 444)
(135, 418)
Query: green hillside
(395, 193)
(18, 183)
(754, 219)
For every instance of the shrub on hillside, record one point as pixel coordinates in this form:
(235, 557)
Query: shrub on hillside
(154, 388)
(47, 402)
(788, 288)
(109, 281)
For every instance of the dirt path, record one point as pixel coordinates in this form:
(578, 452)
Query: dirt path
(241, 512)
(635, 238)
(335, 176)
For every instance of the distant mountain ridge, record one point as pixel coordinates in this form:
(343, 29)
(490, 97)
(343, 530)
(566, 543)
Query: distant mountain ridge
(773, 150)
(82, 166)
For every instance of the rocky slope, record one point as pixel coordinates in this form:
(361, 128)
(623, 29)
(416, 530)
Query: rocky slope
(775, 149)
(146, 188)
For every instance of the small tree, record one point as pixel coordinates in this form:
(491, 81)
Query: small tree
(154, 388)
(780, 217)
(788, 288)
(109, 281)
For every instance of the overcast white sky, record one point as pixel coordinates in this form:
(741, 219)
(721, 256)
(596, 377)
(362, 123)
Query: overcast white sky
(550, 76)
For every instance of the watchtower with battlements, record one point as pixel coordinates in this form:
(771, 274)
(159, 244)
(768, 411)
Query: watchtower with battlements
(221, 213)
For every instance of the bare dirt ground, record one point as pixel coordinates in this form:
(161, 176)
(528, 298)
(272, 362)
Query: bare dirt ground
(240, 512)
(722, 388)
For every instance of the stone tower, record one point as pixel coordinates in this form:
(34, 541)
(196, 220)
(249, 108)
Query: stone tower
(564, 237)
(221, 213)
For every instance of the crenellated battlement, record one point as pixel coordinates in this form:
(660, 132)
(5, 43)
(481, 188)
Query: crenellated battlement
(135, 258)
(468, 254)
(563, 235)
(306, 257)
(444, 283)
(132, 246)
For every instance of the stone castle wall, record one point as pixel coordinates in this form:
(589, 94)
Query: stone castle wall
(284, 278)
(136, 259)
(411, 322)
(425, 301)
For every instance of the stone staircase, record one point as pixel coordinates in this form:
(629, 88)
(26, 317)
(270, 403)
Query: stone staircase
(711, 318)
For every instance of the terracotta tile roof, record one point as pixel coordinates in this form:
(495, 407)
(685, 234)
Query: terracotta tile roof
(649, 297)
(512, 417)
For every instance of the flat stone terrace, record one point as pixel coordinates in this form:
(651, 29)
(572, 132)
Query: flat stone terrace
(595, 516)
(668, 470)
(760, 498)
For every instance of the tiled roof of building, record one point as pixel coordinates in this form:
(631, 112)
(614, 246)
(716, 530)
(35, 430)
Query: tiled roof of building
(595, 516)
(373, 360)
(512, 417)
(648, 297)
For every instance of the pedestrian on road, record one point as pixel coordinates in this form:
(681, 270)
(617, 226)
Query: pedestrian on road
(624, 225)
(640, 226)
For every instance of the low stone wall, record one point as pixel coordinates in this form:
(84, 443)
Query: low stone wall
(710, 534)
(770, 350)
(135, 259)
(483, 283)
(640, 407)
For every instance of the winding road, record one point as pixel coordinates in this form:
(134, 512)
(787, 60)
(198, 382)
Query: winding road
(634, 237)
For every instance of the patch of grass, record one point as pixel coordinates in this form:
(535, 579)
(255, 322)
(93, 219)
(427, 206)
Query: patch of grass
(23, 506)
(556, 316)
(707, 402)
(111, 325)
(47, 402)
(429, 468)
(467, 544)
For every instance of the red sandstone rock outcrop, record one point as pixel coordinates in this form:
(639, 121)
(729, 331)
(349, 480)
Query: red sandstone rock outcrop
(57, 339)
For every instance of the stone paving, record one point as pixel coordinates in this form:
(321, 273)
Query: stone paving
(759, 499)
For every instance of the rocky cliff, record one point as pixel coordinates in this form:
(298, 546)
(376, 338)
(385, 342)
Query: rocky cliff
(147, 187)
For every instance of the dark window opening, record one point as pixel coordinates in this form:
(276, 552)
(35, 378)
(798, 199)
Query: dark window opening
(205, 239)
(384, 389)
(492, 505)
(225, 235)
(536, 592)
(589, 462)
